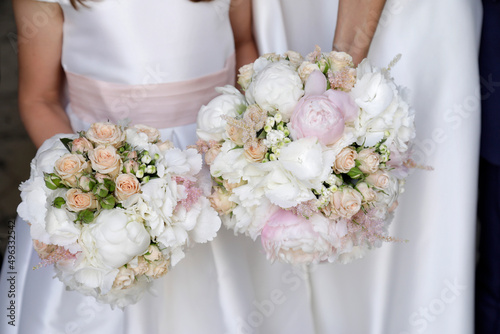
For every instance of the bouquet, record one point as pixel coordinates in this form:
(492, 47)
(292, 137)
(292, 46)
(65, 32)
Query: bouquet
(114, 208)
(312, 158)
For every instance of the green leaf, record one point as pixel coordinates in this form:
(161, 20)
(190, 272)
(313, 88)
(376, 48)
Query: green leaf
(355, 173)
(59, 202)
(68, 143)
(86, 216)
(108, 202)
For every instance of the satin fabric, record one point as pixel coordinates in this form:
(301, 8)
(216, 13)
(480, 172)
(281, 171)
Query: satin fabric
(226, 286)
(424, 285)
(160, 104)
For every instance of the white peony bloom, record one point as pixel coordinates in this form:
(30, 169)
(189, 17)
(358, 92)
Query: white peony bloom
(230, 163)
(283, 188)
(277, 87)
(114, 238)
(179, 162)
(61, 228)
(307, 160)
(211, 125)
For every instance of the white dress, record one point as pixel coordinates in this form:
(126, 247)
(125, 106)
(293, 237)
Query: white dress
(146, 61)
(425, 285)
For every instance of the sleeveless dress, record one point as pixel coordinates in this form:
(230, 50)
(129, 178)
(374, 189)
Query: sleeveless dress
(156, 62)
(425, 285)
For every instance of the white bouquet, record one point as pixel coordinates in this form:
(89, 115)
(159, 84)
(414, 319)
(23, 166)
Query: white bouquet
(312, 158)
(114, 207)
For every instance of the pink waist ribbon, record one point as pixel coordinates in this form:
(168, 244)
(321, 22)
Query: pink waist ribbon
(161, 105)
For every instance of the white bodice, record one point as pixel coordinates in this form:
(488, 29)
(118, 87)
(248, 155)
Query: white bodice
(143, 42)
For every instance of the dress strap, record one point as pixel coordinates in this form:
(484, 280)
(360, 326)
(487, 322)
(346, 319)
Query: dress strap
(161, 105)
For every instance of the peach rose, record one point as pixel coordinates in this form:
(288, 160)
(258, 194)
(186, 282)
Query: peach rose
(379, 179)
(152, 133)
(345, 160)
(255, 151)
(126, 186)
(77, 200)
(153, 253)
(245, 75)
(70, 167)
(105, 133)
(339, 60)
(220, 201)
(230, 186)
(346, 202)
(141, 267)
(158, 268)
(305, 69)
(368, 193)
(106, 160)
(369, 159)
(124, 279)
(81, 145)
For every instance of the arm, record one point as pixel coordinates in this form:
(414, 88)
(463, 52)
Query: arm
(240, 14)
(357, 22)
(40, 72)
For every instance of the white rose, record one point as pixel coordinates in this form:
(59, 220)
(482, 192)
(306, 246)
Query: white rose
(368, 193)
(276, 88)
(339, 60)
(295, 58)
(345, 160)
(379, 179)
(153, 134)
(210, 124)
(114, 238)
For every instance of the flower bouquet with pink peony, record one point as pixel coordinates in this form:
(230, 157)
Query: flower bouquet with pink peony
(114, 208)
(312, 157)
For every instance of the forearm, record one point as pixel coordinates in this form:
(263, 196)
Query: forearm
(357, 21)
(43, 120)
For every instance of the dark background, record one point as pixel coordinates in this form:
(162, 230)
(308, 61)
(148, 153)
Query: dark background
(16, 150)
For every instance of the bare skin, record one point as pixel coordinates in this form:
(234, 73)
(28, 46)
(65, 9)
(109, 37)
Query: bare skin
(41, 76)
(357, 22)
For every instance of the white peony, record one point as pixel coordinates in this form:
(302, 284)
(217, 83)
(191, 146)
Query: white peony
(61, 228)
(114, 238)
(230, 163)
(210, 124)
(277, 87)
(307, 160)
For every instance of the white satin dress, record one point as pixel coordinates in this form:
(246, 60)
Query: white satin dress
(427, 284)
(155, 62)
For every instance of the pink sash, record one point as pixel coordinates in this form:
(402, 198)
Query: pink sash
(161, 105)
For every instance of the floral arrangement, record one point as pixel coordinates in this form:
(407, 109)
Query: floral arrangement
(312, 158)
(114, 208)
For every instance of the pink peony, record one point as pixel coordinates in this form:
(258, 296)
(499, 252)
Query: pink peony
(316, 116)
(292, 239)
(321, 113)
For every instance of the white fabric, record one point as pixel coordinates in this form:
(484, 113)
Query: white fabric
(226, 286)
(424, 285)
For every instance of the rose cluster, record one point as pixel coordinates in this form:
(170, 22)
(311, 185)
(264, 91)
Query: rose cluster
(114, 208)
(312, 157)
